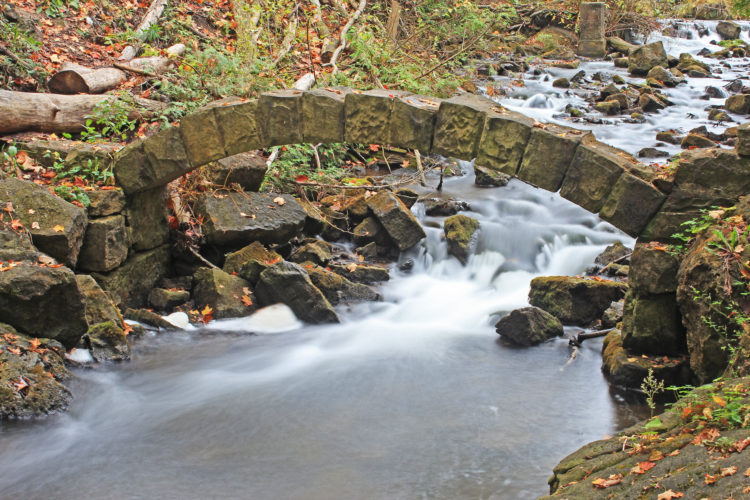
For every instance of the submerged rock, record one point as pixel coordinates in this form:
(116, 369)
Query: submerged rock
(575, 301)
(487, 177)
(642, 59)
(461, 233)
(528, 326)
(31, 375)
(398, 221)
(107, 342)
(287, 283)
(728, 30)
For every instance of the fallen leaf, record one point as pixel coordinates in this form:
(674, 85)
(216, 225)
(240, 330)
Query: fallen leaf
(741, 445)
(351, 267)
(207, 314)
(728, 471)
(34, 225)
(279, 201)
(302, 178)
(58, 228)
(719, 401)
(669, 495)
(8, 207)
(747, 472)
(21, 384)
(247, 301)
(642, 467)
(602, 483)
(655, 456)
(674, 453)
(709, 479)
(16, 224)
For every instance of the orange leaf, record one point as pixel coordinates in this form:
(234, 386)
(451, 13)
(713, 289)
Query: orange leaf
(58, 228)
(719, 401)
(729, 471)
(741, 445)
(602, 483)
(374, 147)
(301, 178)
(642, 467)
(710, 479)
(669, 495)
(16, 224)
(208, 314)
(8, 207)
(246, 301)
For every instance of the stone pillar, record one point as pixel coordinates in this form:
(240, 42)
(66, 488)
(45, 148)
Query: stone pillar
(592, 21)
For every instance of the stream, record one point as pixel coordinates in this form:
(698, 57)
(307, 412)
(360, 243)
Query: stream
(411, 397)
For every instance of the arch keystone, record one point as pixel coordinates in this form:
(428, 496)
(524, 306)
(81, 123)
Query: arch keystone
(368, 115)
(238, 124)
(592, 173)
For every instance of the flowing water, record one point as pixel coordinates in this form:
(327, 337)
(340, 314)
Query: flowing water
(411, 397)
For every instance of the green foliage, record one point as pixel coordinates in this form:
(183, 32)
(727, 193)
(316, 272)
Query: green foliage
(720, 404)
(297, 162)
(740, 8)
(56, 8)
(110, 120)
(73, 193)
(89, 171)
(22, 44)
(651, 387)
(692, 229)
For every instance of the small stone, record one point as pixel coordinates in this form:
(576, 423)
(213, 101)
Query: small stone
(649, 103)
(487, 177)
(317, 252)
(398, 221)
(718, 115)
(608, 107)
(652, 153)
(562, 83)
(443, 207)
(669, 136)
(164, 300)
(528, 326)
(223, 292)
(461, 234)
(107, 342)
(696, 141)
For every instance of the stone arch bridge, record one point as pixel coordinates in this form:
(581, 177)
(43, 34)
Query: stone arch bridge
(598, 177)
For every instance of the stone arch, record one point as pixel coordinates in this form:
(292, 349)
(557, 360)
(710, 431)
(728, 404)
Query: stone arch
(599, 178)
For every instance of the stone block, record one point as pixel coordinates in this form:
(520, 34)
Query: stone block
(131, 168)
(323, 117)
(202, 137)
(653, 270)
(631, 204)
(246, 169)
(106, 202)
(398, 221)
(413, 122)
(130, 284)
(548, 155)
(279, 115)
(167, 160)
(104, 246)
(147, 219)
(743, 139)
(592, 19)
(592, 173)
(665, 224)
(651, 324)
(368, 115)
(459, 125)
(238, 123)
(709, 177)
(504, 139)
(240, 218)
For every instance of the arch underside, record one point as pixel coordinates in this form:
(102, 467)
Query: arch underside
(598, 177)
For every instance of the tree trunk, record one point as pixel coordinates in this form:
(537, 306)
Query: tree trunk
(394, 18)
(56, 113)
(76, 79)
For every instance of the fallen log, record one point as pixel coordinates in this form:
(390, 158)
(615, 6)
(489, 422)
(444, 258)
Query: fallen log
(57, 113)
(152, 15)
(156, 64)
(76, 79)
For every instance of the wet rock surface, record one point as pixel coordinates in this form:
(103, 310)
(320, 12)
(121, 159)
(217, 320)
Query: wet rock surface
(528, 326)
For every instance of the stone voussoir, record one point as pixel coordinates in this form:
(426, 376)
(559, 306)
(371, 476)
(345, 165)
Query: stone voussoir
(413, 122)
(459, 125)
(504, 138)
(279, 115)
(323, 116)
(548, 155)
(368, 115)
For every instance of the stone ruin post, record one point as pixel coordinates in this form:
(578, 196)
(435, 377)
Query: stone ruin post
(592, 18)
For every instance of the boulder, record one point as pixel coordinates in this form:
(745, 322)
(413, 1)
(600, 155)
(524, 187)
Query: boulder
(461, 233)
(99, 307)
(613, 314)
(130, 284)
(361, 273)
(250, 261)
(728, 30)
(17, 246)
(398, 221)
(738, 104)
(692, 141)
(318, 252)
(642, 59)
(31, 372)
(337, 289)
(561, 83)
(614, 252)
(371, 231)
(236, 218)
(104, 246)
(717, 115)
(687, 63)
(287, 283)
(528, 326)
(487, 177)
(662, 76)
(575, 301)
(443, 207)
(669, 136)
(649, 103)
(107, 342)
(43, 301)
(56, 226)
(620, 45)
(625, 369)
(706, 304)
(608, 107)
(163, 299)
(245, 169)
(223, 292)
(652, 153)
(651, 325)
